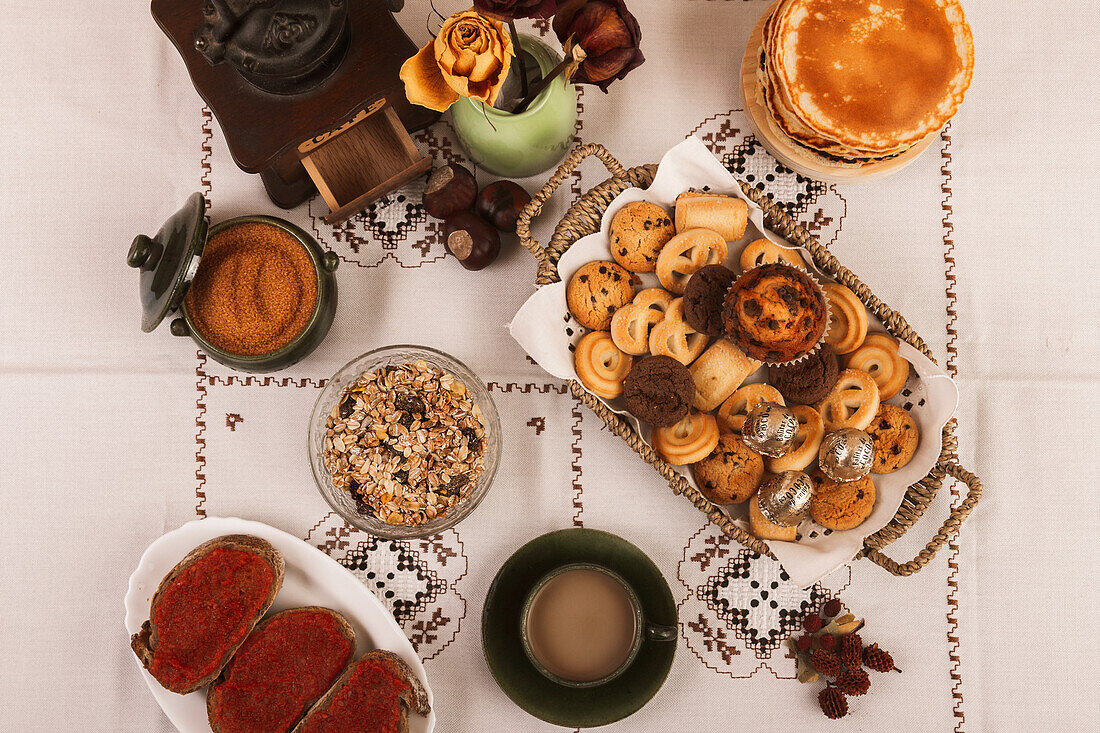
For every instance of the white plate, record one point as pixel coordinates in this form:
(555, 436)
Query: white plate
(546, 331)
(312, 579)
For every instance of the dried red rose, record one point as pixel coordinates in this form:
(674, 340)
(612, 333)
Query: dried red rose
(514, 9)
(608, 34)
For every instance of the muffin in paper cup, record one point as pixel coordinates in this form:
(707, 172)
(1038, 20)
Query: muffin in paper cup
(776, 313)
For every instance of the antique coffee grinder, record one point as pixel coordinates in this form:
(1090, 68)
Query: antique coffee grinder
(306, 92)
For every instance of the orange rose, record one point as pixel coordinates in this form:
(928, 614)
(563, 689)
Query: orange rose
(469, 58)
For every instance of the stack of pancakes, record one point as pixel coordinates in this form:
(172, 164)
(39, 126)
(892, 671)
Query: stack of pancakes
(853, 82)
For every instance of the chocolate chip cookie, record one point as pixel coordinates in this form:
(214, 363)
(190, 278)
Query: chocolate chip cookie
(659, 390)
(596, 291)
(840, 505)
(731, 473)
(896, 438)
(638, 232)
(704, 297)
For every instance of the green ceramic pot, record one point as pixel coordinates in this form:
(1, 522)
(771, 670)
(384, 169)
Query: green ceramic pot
(324, 310)
(518, 146)
(168, 261)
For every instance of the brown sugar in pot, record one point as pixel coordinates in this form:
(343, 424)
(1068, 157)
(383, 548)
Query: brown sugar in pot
(254, 291)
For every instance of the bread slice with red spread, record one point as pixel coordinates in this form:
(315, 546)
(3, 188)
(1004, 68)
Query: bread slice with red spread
(284, 666)
(374, 695)
(205, 608)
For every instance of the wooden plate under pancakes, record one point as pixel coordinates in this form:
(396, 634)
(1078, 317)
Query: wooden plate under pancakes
(790, 153)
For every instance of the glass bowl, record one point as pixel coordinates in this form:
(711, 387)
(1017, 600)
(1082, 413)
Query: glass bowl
(340, 500)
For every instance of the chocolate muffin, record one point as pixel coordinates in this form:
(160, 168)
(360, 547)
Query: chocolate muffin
(659, 390)
(704, 297)
(806, 382)
(775, 313)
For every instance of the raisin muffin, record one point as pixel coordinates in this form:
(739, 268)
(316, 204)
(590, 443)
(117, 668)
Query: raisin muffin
(776, 313)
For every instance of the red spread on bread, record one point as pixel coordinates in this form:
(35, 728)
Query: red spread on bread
(279, 671)
(372, 694)
(205, 611)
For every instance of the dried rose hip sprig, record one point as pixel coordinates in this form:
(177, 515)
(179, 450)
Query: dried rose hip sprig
(832, 648)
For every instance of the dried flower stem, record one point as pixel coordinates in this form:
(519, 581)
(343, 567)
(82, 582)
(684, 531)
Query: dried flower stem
(537, 89)
(519, 56)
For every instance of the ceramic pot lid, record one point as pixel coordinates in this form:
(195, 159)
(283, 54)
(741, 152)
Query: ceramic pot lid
(168, 261)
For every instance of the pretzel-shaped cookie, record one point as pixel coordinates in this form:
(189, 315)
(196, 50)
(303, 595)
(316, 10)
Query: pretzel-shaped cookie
(731, 415)
(690, 440)
(674, 337)
(853, 402)
(687, 253)
(807, 441)
(847, 319)
(763, 251)
(631, 324)
(600, 365)
(879, 357)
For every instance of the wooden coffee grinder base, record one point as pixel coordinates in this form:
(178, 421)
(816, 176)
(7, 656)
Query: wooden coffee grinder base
(344, 133)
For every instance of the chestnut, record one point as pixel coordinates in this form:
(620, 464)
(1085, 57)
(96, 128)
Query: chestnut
(501, 203)
(450, 189)
(471, 239)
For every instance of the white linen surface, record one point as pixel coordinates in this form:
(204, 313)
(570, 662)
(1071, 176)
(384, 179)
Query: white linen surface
(112, 437)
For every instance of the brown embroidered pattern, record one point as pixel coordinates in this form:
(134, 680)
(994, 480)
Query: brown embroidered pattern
(952, 353)
(231, 420)
(427, 631)
(576, 188)
(716, 547)
(207, 152)
(200, 439)
(395, 227)
(575, 466)
(817, 206)
(734, 593)
(538, 423)
(544, 388)
(416, 580)
(442, 552)
(250, 380)
(714, 639)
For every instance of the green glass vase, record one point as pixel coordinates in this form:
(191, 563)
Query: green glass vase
(518, 146)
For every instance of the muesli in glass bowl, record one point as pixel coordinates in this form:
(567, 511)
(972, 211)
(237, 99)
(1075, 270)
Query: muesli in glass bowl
(404, 442)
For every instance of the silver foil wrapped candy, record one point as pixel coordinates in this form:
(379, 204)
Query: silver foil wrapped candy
(769, 429)
(785, 499)
(846, 455)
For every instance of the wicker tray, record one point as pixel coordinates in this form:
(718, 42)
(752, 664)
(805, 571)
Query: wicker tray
(584, 218)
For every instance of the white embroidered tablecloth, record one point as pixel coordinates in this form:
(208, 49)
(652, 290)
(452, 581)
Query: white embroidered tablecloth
(112, 437)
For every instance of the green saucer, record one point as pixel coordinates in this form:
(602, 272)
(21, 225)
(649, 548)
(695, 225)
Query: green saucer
(500, 636)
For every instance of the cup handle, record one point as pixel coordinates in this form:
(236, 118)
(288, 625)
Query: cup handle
(659, 632)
